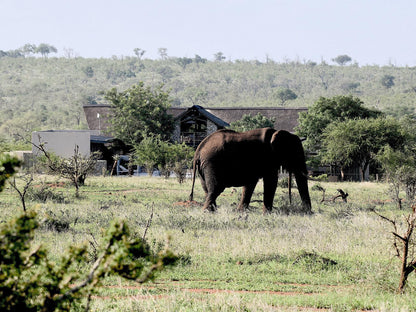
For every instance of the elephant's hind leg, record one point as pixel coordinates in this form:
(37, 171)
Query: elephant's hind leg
(246, 196)
(210, 200)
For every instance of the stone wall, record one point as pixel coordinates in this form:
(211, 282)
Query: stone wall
(176, 136)
(211, 127)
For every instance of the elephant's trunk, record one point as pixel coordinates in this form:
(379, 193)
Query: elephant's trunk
(302, 183)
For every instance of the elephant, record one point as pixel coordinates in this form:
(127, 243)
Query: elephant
(232, 159)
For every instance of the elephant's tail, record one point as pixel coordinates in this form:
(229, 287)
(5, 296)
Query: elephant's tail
(196, 164)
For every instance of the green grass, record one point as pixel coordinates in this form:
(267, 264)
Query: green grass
(339, 259)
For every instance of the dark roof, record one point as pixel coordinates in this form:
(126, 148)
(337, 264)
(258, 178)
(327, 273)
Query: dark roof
(199, 109)
(286, 118)
(101, 139)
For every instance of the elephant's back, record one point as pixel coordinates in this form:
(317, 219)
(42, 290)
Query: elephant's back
(234, 157)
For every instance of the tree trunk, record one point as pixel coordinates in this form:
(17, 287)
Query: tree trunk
(342, 174)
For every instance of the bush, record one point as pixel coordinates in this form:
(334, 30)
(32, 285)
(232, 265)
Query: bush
(29, 281)
(153, 152)
(44, 193)
(8, 166)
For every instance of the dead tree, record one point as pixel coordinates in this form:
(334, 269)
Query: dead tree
(341, 195)
(408, 262)
(75, 168)
(22, 193)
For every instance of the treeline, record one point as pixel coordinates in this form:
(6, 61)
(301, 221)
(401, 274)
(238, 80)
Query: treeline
(29, 49)
(38, 93)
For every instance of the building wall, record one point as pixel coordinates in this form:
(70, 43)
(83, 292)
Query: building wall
(26, 157)
(176, 136)
(62, 142)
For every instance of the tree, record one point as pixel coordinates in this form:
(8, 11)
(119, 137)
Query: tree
(184, 61)
(88, 71)
(139, 53)
(399, 168)
(387, 81)
(44, 49)
(407, 242)
(356, 142)
(163, 52)
(342, 59)
(350, 86)
(139, 110)
(327, 110)
(29, 49)
(399, 165)
(199, 60)
(181, 157)
(285, 95)
(248, 122)
(76, 169)
(219, 56)
(153, 152)
(147, 153)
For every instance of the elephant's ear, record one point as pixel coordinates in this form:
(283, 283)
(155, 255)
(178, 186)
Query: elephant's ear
(280, 140)
(281, 147)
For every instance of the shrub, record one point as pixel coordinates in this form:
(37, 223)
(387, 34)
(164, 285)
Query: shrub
(153, 152)
(44, 193)
(31, 282)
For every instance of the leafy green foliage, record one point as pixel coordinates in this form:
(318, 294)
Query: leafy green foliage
(139, 110)
(248, 122)
(41, 94)
(31, 282)
(8, 166)
(285, 95)
(43, 193)
(355, 142)
(387, 81)
(153, 152)
(325, 111)
(44, 49)
(179, 159)
(28, 49)
(148, 152)
(342, 59)
(399, 166)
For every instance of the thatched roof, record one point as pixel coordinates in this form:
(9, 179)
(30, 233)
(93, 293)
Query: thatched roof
(97, 116)
(286, 118)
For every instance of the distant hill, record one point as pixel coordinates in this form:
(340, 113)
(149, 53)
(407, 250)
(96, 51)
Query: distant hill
(48, 93)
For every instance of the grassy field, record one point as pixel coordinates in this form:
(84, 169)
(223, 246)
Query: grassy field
(338, 259)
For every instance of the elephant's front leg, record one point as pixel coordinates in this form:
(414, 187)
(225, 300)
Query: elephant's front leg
(246, 196)
(270, 185)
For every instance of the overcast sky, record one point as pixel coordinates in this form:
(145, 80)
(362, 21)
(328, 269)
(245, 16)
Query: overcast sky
(369, 31)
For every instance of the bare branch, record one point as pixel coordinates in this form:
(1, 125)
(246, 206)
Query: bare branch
(149, 222)
(404, 239)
